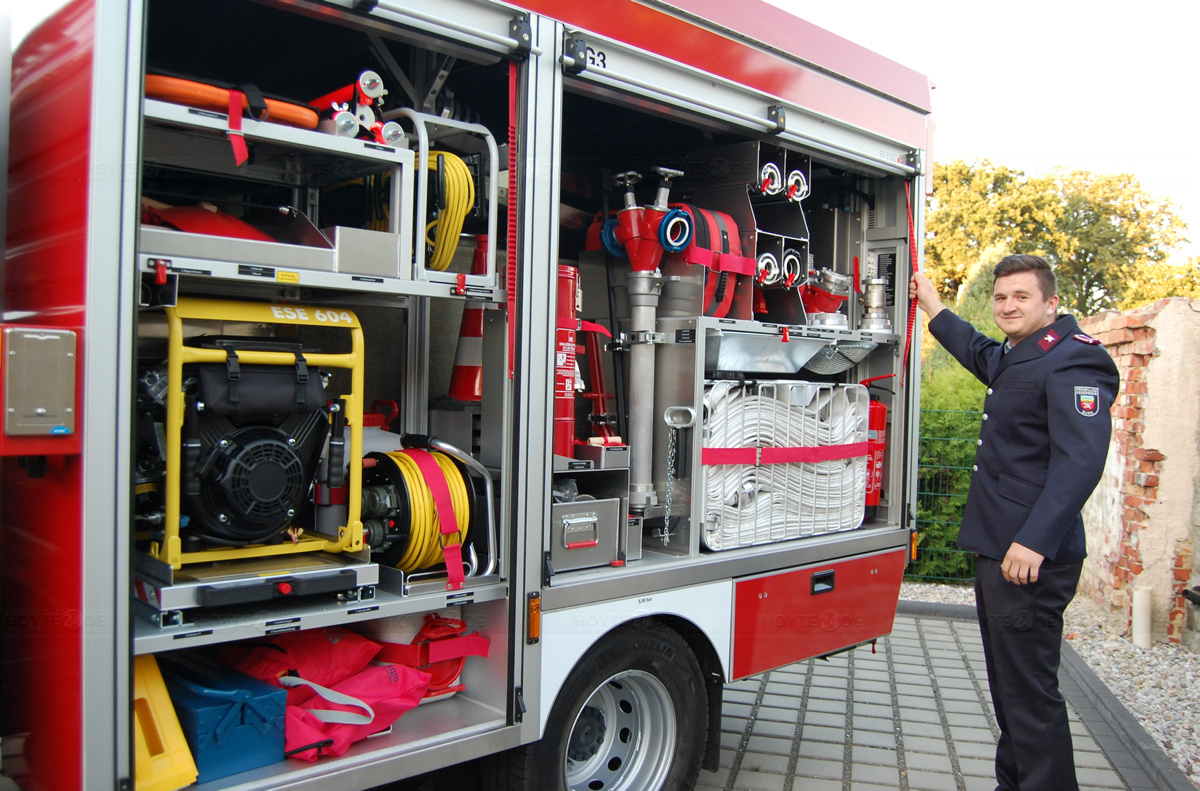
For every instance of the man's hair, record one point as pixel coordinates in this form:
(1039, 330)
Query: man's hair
(1011, 265)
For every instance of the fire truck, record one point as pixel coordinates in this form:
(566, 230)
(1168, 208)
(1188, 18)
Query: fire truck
(562, 349)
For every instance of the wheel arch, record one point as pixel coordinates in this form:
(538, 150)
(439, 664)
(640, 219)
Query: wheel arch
(702, 615)
(714, 682)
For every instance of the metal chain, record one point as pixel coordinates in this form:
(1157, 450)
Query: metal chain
(666, 532)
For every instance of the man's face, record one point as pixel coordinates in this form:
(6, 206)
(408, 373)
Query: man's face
(1019, 308)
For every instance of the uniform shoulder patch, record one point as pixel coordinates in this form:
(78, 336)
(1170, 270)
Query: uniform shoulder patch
(1088, 339)
(1087, 401)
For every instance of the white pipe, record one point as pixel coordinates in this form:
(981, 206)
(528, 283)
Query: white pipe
(1142, 617)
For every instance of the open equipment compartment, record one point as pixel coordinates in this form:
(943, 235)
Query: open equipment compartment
(318, 229)
(780, 291)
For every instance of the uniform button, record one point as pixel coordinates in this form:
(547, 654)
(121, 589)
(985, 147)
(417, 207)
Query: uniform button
(978, 442)
(974, 468)
(985, 415)
(990, 391)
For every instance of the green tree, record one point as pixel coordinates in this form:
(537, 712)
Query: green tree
(975, 207)
(946, 385)
(1151, 282)
(1108, 232)
(1108, 239)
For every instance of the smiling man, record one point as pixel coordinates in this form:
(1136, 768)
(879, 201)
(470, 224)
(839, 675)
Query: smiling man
(1042, 445)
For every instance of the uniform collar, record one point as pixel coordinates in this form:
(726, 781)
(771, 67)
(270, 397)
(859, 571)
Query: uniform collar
(1036, 345)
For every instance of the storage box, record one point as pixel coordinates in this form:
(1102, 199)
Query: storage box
(231, 721)
(161, 758)
(583, 534)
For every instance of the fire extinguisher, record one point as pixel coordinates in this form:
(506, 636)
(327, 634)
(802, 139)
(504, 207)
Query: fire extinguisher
(564, 362)
(876, 446)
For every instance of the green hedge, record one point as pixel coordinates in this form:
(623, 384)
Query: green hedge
(946, 451)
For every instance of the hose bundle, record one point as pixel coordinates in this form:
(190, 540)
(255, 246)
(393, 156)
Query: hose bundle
(747, 504)
(442, 234)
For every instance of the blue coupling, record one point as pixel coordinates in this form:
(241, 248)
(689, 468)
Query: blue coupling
(608, 238)
(675, 230)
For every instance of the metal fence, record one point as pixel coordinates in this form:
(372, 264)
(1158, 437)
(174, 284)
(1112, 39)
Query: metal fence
(945, 453)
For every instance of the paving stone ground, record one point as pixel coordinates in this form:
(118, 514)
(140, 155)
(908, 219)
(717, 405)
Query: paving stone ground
(914, 715)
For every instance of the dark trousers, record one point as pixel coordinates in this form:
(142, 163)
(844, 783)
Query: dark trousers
(1021, 627)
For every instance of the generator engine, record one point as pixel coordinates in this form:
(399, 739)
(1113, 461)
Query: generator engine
(252, 441)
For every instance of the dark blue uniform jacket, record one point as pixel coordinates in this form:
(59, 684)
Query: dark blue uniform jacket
(1044, 438)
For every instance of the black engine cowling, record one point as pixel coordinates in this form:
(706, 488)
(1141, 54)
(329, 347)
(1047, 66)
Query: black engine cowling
(251, 481)
(255, 434)
(252, 438)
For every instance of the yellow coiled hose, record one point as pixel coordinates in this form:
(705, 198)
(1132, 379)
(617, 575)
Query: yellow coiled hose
(443, 233)
(425, 535)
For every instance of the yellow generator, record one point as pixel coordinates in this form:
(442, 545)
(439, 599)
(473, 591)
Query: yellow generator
(234, 429)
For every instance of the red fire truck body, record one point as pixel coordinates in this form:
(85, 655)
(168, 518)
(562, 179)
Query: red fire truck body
(543, 320)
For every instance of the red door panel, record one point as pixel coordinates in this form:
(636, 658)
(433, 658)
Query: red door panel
(786, 617)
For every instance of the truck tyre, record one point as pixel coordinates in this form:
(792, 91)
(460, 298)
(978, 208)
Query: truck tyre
(632, 716)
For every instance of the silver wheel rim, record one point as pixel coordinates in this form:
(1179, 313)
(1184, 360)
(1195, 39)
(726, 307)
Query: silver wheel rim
(624, 737)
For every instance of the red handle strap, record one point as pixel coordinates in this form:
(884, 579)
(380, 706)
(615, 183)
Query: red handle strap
(912, 305)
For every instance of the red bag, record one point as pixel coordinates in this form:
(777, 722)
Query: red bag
(333, 719)
(324, 657)
(717, 246)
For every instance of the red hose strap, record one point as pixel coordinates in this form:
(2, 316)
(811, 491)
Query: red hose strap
(716, 456)
(427, 651)
(439, 489)
(439, 648)
(236, 139)
(811, 454)
(798, 455)
(591, 326)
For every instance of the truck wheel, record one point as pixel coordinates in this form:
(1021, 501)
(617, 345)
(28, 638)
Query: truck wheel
(631, 717)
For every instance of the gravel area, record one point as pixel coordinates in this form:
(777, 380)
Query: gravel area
(1160, 686)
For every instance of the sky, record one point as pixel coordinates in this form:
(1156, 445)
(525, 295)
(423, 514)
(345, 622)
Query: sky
(1030, 84)
(1035, 85)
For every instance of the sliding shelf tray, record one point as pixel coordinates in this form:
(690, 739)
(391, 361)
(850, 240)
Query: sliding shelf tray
(210, 626)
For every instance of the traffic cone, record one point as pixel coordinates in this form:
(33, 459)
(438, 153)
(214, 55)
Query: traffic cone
(466, 380)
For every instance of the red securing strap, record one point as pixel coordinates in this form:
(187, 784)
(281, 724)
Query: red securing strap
(440, 648)
(591, 326)
(812, 454)
(236, 139)
(439, 489)
(715, 456)
(717, 261)
(798, 455)
(429, 651)
(728, 262)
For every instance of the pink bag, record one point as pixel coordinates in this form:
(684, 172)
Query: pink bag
(333, 719)
(323, 656)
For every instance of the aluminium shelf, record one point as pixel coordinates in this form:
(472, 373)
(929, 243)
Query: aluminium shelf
(191, 139)
(202, 627)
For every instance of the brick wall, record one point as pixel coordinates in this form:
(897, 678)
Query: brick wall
(1134, 536)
